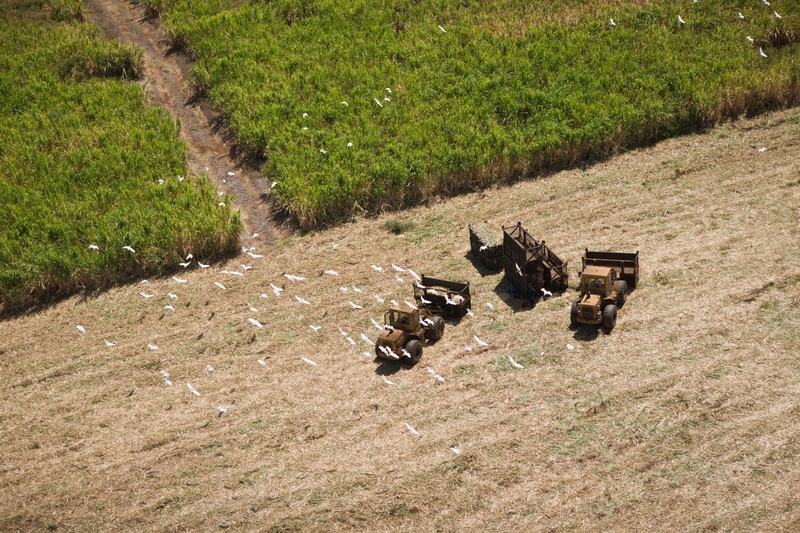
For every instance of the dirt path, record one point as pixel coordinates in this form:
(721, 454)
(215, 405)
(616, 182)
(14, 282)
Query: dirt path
(165, 79)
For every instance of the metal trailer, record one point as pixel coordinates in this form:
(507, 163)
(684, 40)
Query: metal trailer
(530, 265)
(626, 264)
(443, 297)
(486, 245)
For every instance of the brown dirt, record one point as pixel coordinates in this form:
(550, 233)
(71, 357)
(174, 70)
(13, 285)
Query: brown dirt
(165, 80)
(685, 418)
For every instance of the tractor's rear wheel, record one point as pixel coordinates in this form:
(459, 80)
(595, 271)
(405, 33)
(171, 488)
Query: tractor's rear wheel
(414, 347)
(622, 294)
(610, 316)
(573, 314)
(437, 328)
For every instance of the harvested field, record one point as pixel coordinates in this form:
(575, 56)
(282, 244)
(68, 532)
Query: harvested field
(685, 418)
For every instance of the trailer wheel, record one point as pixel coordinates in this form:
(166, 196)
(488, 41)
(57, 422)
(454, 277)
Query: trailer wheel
(610, 316)
(414, 347)
(573, 314)
(437, 329)
(622, 295)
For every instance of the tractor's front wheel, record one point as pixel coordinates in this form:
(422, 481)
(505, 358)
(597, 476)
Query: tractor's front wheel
(573, 314)
(622, 293)
(610, 316)
(414, 347)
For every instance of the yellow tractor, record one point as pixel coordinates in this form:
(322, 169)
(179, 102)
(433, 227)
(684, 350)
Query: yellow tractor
(605, 280)
(407, 330)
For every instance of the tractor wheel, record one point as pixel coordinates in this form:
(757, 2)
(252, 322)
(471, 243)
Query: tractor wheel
(573, 314)
(610, 316)
(622, 294)
(414, 347)
(437, 329)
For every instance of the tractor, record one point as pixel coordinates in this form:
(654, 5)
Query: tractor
(407, 330)
(605, 280)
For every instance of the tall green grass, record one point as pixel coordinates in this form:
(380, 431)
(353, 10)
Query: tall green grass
(81, 156)
(509, 88)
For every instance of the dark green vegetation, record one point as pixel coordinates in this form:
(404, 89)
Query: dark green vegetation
(81, 156)
(507, 89)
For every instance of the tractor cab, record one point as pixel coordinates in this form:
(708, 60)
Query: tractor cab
(402, 317)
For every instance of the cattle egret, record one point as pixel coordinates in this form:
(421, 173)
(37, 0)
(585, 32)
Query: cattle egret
(514, 363)
(301, 300)
(414, 275)
(152, 347)
(480, 342)
(220, 285)
(386, 99)
(109, 344)
(262, 363)
(294, 278)
(455, 451)
(775, 13)
(469, 312)
(305, 115)
(377, 102)
(254, 256)
(246, 267)
(761, 52)
(235, 273)
(741, 16)
(323, 152)
(202, 265)
(179, 280)
(387, 327)
(81, 329)
(334, 246)
(354, 306)
(438, 378)
(222, 204)
(409, 304)
(252, 309)
(351, 341)
(331, 273)
(379, 269)
(264, 296)
(146, 296)
(131, 250)
(378, 299)
(255, 322)
(342, 332)
(482, 248)
(388, 90)
(374, 323)
(424, 301)
(172, 296)
(394, 302)
(443, 30)
(397, 268)
(519, 270)
(762, 150)
(467, 348)
(221, 410)
(209, 368)
(570, 347)
(750, 39)
(231, 174)
(546, 293)
(349, 145)
(356, 289)
(681, 20)
(186, 264)
(315, 328)
(343, 289)
(406, 353)
(344, 104)
(412, 430)
(309, 361)
(169, 307)
(188, 257)
(490, 306)
(398, 278)
(192, 389)
(276, 290)
(387, 381)
(367, 340)
(94, 247)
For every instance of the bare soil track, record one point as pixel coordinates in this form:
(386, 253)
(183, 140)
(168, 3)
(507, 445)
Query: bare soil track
(165, 79)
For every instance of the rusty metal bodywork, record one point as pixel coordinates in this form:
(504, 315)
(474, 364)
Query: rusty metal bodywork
(486, 245)
(443, 297)
(605, 280)
(407, 330)
(530, 265)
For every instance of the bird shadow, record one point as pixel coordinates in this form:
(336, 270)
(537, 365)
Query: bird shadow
(479, 266)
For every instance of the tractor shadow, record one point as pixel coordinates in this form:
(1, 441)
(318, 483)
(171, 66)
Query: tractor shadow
(585, 332)
(479, 266)
(388, 368)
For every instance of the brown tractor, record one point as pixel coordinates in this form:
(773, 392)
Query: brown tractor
(605, 279)
(407, 330)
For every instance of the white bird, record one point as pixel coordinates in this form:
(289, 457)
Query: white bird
(394, 302)
(167, 382)
(180, 178)
(342, 332)
(406, 353)
(379, 269)
(397, 268)
(109, 344)
(388, 90)
(387, 381)
(367, 340)
(221, 410)
(169, 307)
(480, 342)
(354, 306)
(448, 301)
(349, 145)
(387, 327)
(131, 250)
(202, 265)
(309, 361)
(262, 363)
(255, 322)
(377, 102)
(761, 52)
(514, 363)
(264, 296)
(152, 347)
(143, 282)
(611, 21)
(251, 308)
(414, 275)
(386, 99)
(276, 290)
(519, 270)
(172, 296)
(188, 257)
(409, 304)
(443, 30)
(390, 353)
(254, 256)
(351, 341)
(220, 193)
(482, 248)
(762, 150)
(356, 289)
(366, 354)
(455, 451)
(467, 348)
(333, 245)
(378, 299)
(681, 20)
(221, 204)
(343, 289)
(490, 306)
(246, 268)
(274, 183)
(301, 300)
(775, 13)
(235, 273)
(765, 2)
(412, 430)
(546, 293)
(570, 347)
(331, 273)
(344, 103)
(209, 368)
(439, 378)
(192, 389)
(186, 264)
(179, 280)
(293, 279)
(741, 16)
(398, 278)
(750, 39)
(146, 296)
(374, 323)
(231, 174)
(315, 328)
(323, 152)
(220, 285)
(255, 235)
(81, 329)
(424, 301)
(470, 313)
(94, 247)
